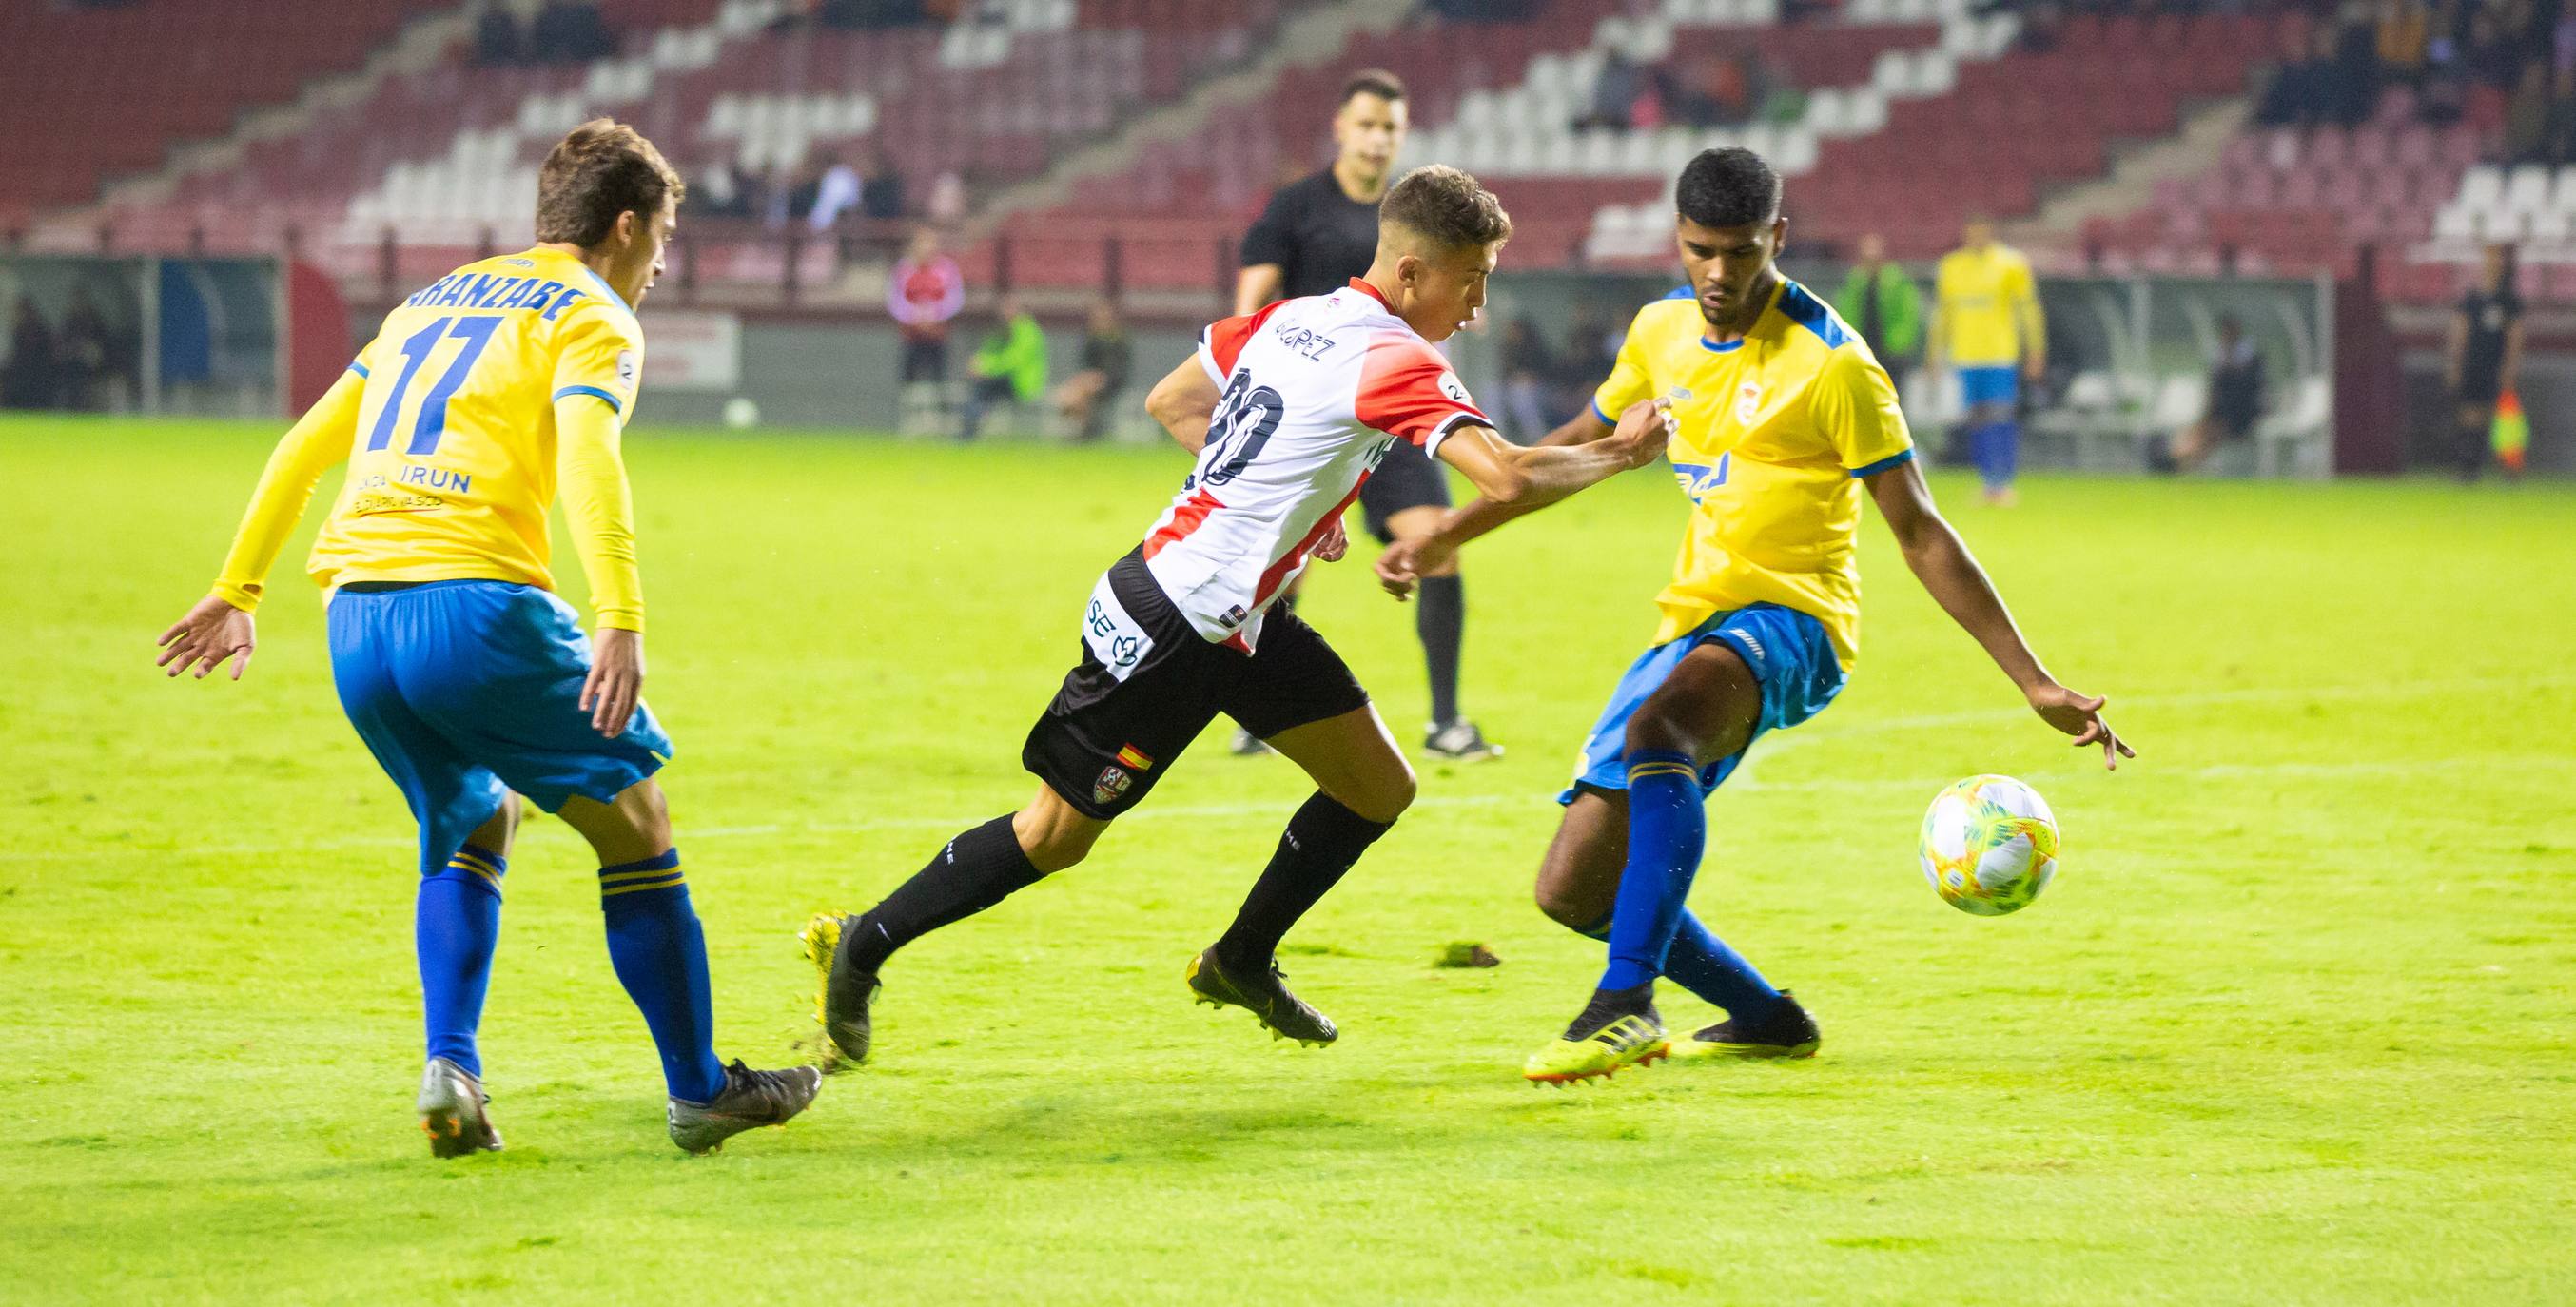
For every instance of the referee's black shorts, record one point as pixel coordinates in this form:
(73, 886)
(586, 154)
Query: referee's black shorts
(1405, 478)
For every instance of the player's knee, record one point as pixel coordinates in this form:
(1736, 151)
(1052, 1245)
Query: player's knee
(1054, 837)
(1657, 728)
(1564, 903)
(1384, 798)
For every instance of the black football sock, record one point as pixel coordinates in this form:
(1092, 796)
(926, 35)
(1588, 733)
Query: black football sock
(1320, 844)
(976, 870)
(1609, 1005)
(1441, 619)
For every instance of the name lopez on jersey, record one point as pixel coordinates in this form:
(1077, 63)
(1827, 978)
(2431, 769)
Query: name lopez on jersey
(1314, 392)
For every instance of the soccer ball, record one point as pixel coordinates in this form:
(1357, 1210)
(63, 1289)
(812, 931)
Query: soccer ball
(1989, 845)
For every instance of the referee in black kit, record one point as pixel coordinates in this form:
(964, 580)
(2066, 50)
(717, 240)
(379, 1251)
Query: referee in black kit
(1315, 236)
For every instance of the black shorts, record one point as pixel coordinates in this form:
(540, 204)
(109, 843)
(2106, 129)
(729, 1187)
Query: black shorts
(1105, 740)
(1405, 478)
(924, 360)
(2482, 383)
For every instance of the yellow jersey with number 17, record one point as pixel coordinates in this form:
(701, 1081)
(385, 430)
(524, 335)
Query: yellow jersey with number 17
(453, 462)
(1774, 433)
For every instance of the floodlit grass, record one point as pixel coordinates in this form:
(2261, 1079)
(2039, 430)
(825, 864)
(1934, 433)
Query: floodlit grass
(2293, 1025)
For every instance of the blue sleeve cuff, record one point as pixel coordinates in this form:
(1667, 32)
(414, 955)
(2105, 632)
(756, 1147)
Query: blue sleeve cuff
(1596, 412)
(359, 368)
(1898, 459)
(592, 390)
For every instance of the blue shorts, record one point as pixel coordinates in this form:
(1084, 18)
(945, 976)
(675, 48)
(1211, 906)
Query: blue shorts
(2000, 384)
(466, 690)
(1792, 659)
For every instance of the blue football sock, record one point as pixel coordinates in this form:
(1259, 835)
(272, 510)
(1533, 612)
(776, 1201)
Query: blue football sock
(1667, 831)
(1995, 447)
(660, 955)
(1703, 964)
(456, 923)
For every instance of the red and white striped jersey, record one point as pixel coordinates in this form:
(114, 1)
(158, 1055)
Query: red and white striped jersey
(1315, 391)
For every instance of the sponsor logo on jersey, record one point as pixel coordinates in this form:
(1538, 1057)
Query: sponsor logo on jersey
(1233, 616)
(626, 368)
(1112, 785)
(1748, 402)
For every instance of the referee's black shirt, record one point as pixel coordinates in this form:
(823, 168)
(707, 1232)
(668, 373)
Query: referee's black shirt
(1319, 237)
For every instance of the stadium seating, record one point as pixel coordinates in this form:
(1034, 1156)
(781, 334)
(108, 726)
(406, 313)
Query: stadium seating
(185, 69)
(448, 152)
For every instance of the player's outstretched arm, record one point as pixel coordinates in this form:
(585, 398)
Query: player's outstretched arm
(1512, 480)
(219, 626)
(1941, 561)
(1184, 401)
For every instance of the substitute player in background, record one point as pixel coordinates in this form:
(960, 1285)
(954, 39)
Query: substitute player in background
(1784, 419)
(501, 383)
(1986, 323)
(1287, 411)
(1315, 236)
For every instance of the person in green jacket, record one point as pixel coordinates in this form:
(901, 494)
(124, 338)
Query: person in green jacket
(1010, 367)
(1881, 302)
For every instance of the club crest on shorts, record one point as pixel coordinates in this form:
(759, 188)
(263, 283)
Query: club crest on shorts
(1112, 785)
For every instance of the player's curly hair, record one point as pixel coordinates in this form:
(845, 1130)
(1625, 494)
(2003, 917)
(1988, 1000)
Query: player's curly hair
(601, 169)
(1446, 206)
(1732, 187)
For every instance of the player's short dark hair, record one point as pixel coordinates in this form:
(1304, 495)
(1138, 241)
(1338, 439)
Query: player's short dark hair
(1732, 187)
(1372, 81)
(601, 169)
(1447, 206)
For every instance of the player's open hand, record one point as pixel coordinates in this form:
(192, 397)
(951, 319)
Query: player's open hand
(1644, 428)
(616, 681)
(1331, 546)
(2080, 717)
(1408, 561)
(211, 632)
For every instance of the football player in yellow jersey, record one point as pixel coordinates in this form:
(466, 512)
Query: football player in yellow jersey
(1785, 420)
(1987, 324)
(486, 394)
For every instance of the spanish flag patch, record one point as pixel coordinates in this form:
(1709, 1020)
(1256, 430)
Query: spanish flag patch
(1134, 759)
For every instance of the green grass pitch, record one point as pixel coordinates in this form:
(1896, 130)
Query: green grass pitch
(2293, 1025)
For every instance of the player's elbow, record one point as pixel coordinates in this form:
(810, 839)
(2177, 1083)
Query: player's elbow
(1169, 402)
(1506, 485)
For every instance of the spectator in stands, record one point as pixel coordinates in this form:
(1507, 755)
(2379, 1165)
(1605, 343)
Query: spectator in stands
(2482, 357)
(498, 42)
(1710, 89)
(1089, 396)
(27, 378)
(947, 201)
(2235, 397)
(2299, 86)
(1614, 94)
(2526, 117)
(880, 188)
(1880, 300)
(862, 14)
(1486, 11)
(1528, 367)
(570, 32)
(2405, 26)
(1009, 368)
(836, 191)
(718, 191)
(1986, 322)
(923, 291)
(2559, 145)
